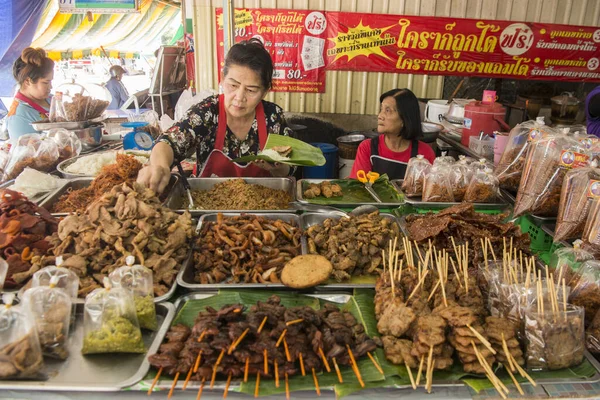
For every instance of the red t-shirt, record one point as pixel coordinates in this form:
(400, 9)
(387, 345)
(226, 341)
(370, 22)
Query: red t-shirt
(363, 155)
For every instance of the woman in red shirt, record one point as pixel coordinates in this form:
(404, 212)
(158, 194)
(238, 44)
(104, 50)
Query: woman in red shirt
(399, 125)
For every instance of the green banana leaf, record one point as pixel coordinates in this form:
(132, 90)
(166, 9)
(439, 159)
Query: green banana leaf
(354, 192)
(303, 154)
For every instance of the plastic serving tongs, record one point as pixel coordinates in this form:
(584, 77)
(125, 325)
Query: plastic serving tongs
(368, 179)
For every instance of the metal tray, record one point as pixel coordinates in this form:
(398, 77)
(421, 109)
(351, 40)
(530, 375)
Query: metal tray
(45, 125)
(61, 168)
(175, 200)
(418, 202)
(185, 277)
(80, 183)
(98, 372)
(301, 199)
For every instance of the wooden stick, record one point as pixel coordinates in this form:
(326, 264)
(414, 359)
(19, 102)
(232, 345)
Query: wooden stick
(325, 362)
(237, 341)
(490, 374)
(246, 369)
(383, 263)
(262, 324)
(521, 264)
(519, 389)
(355, 366)
(399, 268)
(287, 351)
(296, 321)
(466, 267)
(337, 370)
(492, 249)
(375, 363)
(214, 374)
(187, 378)
(281, 337)
(276, 373)
(317, 388)
(287, 387)
(197, 364)
(266, 361)
(434, 289)
(456, 273)
(522, 371)
(257, 386)
(227, 386)
(173, 385)
(410, 375)
(420, 369)
(506, 352)
(483, 340)
(301, 364)
(418, 284)
(441, 274)
(419, 253)
(430, 377)
(160, 370)
(429, 364)
(201, 389)
(454, 246)
(484, 249)
(564, 290)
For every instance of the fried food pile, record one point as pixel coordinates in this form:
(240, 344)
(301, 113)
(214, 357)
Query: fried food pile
(125, 170)
(464, 224)
(246, 248)
(236, 194)
(23, 230)
(308, 337)
(354, 244)
(128, 220)
(81, 108)
(325, 189)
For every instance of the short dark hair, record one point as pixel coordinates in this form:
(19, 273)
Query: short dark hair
(252, 54)
(32, 64)
(408, 109)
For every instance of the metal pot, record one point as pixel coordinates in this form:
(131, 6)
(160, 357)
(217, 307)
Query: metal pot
(564, 107)
(348, 145)
(431, 131)
(91, 137)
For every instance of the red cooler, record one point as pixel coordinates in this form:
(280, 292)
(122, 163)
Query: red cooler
(482, 117)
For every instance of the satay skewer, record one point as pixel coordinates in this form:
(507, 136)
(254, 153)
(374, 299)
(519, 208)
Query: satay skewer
(197, 363)
(246, 369)
(337, 370)
(173, 385)
(441, 274)
(325, 362)
(419, 253)
(420, 369)
(227, 386)
(317, 388)
(187, 378)
(287, 351)
(257, 385)
(492, 249)
(355, 366)
(437, 285)
(417, 287)
(410, 375)
(375, 363)
(564, 291)
(276, 373)
(296, 321)
(506, 352)
(519, 389)
(214, 374)
(262, 324)
(287, 387)
(237, 341)
(266, 361)
(490, 374)
(301, 364)
(483, 340)
(160, 370)
(456, 273)
(429, 365)
(281, 337)
(485, 252)
(522, 371)
(201, 388)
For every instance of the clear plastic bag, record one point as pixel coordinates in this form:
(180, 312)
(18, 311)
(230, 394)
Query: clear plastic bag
(82, 102)
(592, 335)
(51, 309)
(57, 108)
(554, 340)
(110, 323)
(20, 353)
(566, 263)
(437, 187)
(511, 163)
(67, 280)
(31, 150)
(460, 174)
(151, 117)
(444, 160)
(3, 272)
(69, 145)
(138, 280)
(481, 165)
(585, 288)
(591, 231)
(418, 167)
(483, 187)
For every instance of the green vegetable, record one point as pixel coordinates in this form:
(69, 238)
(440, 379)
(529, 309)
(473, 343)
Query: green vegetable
(117, 335)
(146, 312)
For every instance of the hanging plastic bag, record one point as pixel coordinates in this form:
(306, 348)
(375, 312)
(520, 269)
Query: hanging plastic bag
(110, 323)
(436, 187)
(69, 145)
(187, 100)
(50, 308)
(138, 280)
(20, 353)
(585, 290)
(510, 167)
(591, 231)
(567, 261)
(483, 188)
(31, 150)
(460, 174)
(416, 170)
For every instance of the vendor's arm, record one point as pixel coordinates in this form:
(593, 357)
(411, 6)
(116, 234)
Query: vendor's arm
(278, 126)
(363, 158)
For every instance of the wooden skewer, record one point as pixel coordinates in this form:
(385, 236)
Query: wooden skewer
(441, 274)
(201, 389)
(227, 386)
(246, 369)
(410, 375)
(434, 289)
(281, 337)
(257, 386)
(417, 287)
(454, 246)
(187, 378)
(160, 370)
(564, 291)
(484, 250)
(237, 341)
(429, 365)
(492, 249)
(506, 352)
(522, 371)
(482, 339)
(197, 363)
(276, 373)
(262, 324)
(301, 364)
(214, 374)
(490, 374)
(296, 321)
(375, 363)
(287, 387)
(430, 377)
(266, 361)
(325, 362)
(173, 385)
(519, 389)
(317, 388)
(456, 273)
(466, 267)
(337, 371)
(287, 351)
(420, 369)
(355, 367)
(419, 253)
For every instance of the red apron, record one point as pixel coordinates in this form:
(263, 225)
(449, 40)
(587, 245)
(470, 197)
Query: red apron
(20, 96)
(220, 164)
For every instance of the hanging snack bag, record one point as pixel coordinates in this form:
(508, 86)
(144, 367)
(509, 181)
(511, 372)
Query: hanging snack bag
(591, 231)
(437, 186)
(483, 187)
(416, 170)
(31, 150)
(110, 323)
(138, 280)
(511, 163)
(50, 308)
(69, 145)
(567, 261)
(460, 176)
(20, 353)
(585, 290)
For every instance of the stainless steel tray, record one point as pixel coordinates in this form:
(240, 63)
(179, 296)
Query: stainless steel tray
(177, 195)
(61, 168)
(45, 125)
(98, 372)
(418, 202)
(80, 183)
(185, 277)
(301, 199)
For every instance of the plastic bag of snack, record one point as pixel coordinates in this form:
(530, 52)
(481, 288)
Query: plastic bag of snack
(416, 170)
(575, 202)
(3, 272)
(84, 102)
(50, 308)
(31, 150)
(460, 174)
(110, 323)
(511, 163)
(554, 340)
(138, 280)
(567, 261)
(57, 108)
(444, 160)
(585, 288)
(436, 187)
(592, 335)
(591, 230)
(19, 344)
(483, 187)
(481, 165)
(67, 280)
(152, 118)
(546, 165)
(69, 145)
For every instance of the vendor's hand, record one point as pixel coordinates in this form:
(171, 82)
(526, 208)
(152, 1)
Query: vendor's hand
(155, 177)
(276, 169)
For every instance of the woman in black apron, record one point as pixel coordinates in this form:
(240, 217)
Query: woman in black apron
(399, 126)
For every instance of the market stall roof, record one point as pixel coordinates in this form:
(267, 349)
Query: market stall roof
(120, 35)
